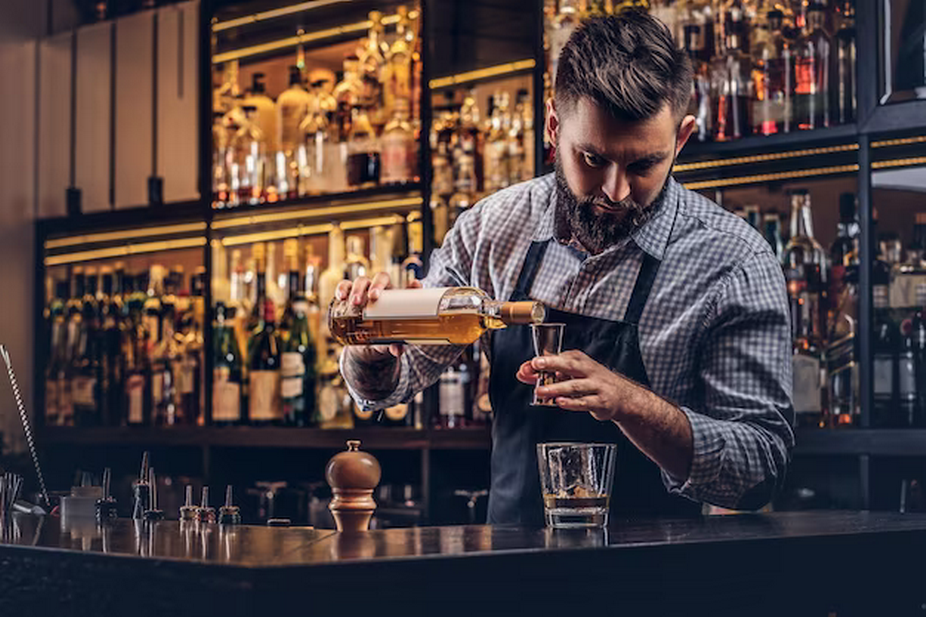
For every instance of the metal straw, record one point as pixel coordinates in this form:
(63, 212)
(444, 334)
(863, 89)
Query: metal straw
(24, 417)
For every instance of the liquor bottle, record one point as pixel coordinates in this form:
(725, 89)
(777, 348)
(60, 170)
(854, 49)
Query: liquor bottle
(771, 108)
(163, 377)
(452, 397)
(259, 253)
(438, 316)
(918, 336)
(251, 156)
(846, 89)
(363, 158)
(335, 272)
(265, 113)
(111, 370)
(293, 289)
(276, 283)
(399, 149)
(348, 94)
(701, 105)
(136, 391)
(813, 59)
(805, 272)
(885, 342)
(57, 388)
(85, 384)
(297, 369)
(189, 365)
(356, 263)
(906, 376)
(565, 22)
(771, 229)
(397, 78)
(732, 79)
(227, 369)
(891, 252)
(220, 161)
(844, 250)
(373, 68)
(264, 407)
(291, 107)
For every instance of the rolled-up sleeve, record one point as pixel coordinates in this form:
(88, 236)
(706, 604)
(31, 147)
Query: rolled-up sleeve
(741, 428)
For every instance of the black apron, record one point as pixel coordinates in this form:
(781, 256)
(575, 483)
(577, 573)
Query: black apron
(518, 427)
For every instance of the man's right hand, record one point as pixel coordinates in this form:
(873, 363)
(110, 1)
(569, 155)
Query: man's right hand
(361, 292)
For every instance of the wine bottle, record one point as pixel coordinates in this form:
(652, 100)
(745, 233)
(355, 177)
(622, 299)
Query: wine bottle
(297, 388)
(226, 372)
(264, 406)
(437, 316)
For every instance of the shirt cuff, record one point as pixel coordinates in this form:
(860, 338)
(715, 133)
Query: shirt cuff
(709, 450)
(393, 399)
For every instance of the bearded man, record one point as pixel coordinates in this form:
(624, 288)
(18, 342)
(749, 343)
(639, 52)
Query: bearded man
(677, 332)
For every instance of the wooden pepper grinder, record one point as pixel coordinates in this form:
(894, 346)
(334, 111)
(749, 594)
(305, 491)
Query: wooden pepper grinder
(353, 475)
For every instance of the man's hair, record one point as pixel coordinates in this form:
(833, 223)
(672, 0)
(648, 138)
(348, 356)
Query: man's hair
(626, 63)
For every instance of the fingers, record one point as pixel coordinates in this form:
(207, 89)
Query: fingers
(342, 290)
(572, 388)
(527, 374)
(572, 363)
(414, 284)
(592, 404)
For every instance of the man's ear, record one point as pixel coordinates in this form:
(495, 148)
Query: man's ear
(686, 128)
(552, 121)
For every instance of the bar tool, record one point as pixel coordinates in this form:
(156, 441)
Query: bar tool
(141, 491)
(205, 514)
(188, 510)
(27, 429)
(106, 507)
(10, 485)
(153, 513)
(229, 514)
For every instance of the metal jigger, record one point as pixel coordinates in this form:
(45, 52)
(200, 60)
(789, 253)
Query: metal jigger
(229, 514)
(153, 514)
(106, 507)
(188, 510)
(205, 514)
(141, 491)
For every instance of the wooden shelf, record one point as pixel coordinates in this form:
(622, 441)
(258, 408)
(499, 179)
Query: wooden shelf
(374, 194)
(856, 441)
(373, 438)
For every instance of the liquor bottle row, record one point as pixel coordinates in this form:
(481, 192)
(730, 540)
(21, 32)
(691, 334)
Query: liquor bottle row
(823, 294)
(126, 348)
(759, 68)
(471, 158)
(322, 135)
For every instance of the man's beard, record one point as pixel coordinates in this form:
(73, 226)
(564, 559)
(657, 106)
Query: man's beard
(597, 231)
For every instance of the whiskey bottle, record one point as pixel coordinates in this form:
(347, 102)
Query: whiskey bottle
(732, 82)
(291, 107)
(356, 262)
(136, 393)
(805, 273)
(399, 149)
(85, 385)
(885, 341)
(163, 376)
(265, 113)
(439, 316)
(227, 369)
(846, 88)
(771, 109)
(771, 229)
(812, 72)
(701, 105)
(264, 406)
(363, 158)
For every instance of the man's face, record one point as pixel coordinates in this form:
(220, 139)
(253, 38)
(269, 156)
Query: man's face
(610, 174)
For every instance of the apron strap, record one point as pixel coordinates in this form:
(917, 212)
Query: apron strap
(529, 270)
(641, 289)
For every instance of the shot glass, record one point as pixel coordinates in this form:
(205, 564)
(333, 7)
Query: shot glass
(548, 341)
(576, 480)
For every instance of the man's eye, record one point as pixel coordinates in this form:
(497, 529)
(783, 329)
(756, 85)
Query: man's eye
(642, 168)
(593, 160)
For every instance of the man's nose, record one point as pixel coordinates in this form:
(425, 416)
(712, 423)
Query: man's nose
(615, 186)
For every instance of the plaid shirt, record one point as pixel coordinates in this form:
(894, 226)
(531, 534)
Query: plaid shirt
(715, 334)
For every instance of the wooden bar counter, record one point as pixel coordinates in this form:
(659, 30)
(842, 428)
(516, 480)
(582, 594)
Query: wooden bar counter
(813, 563)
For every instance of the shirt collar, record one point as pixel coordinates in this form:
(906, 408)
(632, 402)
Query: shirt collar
(652, 237)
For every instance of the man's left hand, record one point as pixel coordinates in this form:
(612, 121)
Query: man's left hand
(586, 385)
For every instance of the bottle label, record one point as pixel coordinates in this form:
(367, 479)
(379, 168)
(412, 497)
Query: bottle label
(397, 159)
(328, 402)
(880, 296)
(406, 303)
(83, 391)
(226, 396)
(451, 394)
(135, 394)
(158, 384)
(186, 376)
(806, 381)
(264, 396)
(883, 366)
(292, 370)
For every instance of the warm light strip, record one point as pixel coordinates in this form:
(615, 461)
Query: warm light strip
(315, 213)
(904, 141)
(125, 251)
(310, 230)
(761, 158)
(919, 160)
(265, 15)
(128, 234)
(292, 41)
(492, 71)
(788, 175)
